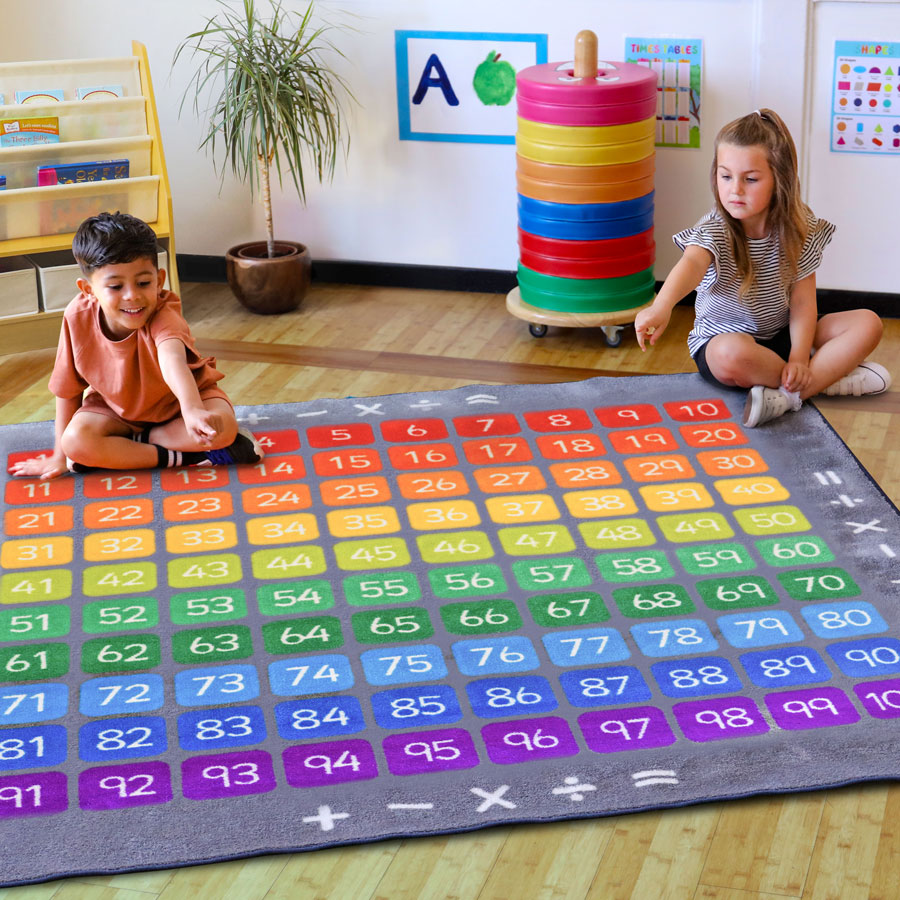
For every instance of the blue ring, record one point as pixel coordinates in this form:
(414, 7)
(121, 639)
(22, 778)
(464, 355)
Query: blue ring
(585, 231)
(586, 212)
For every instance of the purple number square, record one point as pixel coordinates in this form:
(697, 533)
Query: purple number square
(331, 762)
(33, 795)
(632, 728)
(881, 699)
(719, 719)
(421, 752)
(525, 739)
(117, 787)
(812, 708)
(227, 775)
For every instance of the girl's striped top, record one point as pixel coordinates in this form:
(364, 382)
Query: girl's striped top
(764, 311)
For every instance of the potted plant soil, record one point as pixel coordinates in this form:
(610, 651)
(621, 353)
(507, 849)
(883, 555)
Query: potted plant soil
(276, 103)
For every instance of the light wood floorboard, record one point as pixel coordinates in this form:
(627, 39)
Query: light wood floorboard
(358, 341)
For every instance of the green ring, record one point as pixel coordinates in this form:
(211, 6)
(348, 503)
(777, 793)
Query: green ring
(568, 303)
(585, 287)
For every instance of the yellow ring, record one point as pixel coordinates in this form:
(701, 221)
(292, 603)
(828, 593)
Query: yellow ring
(585, 156)
(586, 136)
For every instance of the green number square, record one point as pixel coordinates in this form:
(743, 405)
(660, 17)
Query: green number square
(26, 625)
(205, 571)
(288, 562)
(202, 607)
(128, 653)
(375, 589)
(481, 617)
(34, 662)
(372, 553)
(553, 573)
(456, 582)
(308, 634)
(653, 601)
(821, 583)
(568, 610)
(682, 528)
(533, 540)
(454, 546)
(302, 596)
(765, 520)
(103, 616)
(715, 559)
(392, 626)
(121, 578)
(617, 534)
(741, 592)
(641, 565)
(791, 551)
(212, 645)
(36, 587)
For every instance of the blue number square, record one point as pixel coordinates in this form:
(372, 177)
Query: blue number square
(121, 695)
(608, 686)
(697, 677)
(869, 657)
(760, 629)
(213, 729)
(845, 619)
(422, 662)
(495, 656)
(219, 684)
(586, 646)
(305, 675)
(785, 667)
(414, 707)
(493, 698)
(679, 637)
(130, 737)
(319, 717)
(28, 748)
(33, 703)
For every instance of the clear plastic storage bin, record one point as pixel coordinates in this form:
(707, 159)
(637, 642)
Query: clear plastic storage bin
(18, 287)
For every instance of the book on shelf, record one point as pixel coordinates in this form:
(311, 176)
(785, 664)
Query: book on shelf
(99, 92)
(22, 132)
(76, 173)
(52, 96)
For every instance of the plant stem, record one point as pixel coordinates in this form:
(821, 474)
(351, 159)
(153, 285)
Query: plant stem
(264, 161)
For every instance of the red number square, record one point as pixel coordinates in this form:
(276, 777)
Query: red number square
(117, 484)
(643, 440)
(22, 455)
(278, 441)
(571, 446)
(414, 430)
(698, 410)
(425, 456)
(497, 450)
(272, 469)
(628, 416)
(485, 425)
(190, 478)
(322, 436)
(346, 462)
(722, 435)
(558, 420)
(33, 490)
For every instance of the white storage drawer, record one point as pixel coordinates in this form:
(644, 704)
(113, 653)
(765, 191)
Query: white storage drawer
(86, 120)
(18, 287)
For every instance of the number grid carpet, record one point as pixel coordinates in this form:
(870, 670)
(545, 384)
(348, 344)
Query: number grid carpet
(434, 612)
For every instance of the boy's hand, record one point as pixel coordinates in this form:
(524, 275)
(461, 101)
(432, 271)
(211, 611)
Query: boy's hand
(651, 322)
(796, 376)
(43, 467)
(202, 424)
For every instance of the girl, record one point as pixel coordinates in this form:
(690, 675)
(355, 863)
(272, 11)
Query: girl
(752, 260)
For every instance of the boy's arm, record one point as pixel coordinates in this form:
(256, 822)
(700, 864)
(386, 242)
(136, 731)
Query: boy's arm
(802, 323)
(46, 467)
(199, 422)
(684, 277)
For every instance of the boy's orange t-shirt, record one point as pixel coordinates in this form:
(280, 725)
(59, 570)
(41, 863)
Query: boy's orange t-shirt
(125, 373)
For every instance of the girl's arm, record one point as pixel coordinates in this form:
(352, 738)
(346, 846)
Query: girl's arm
(46, 467)
(802, 323)
(199, 422)
(684, 277)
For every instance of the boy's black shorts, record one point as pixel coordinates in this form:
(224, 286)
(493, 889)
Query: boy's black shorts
(780, 343)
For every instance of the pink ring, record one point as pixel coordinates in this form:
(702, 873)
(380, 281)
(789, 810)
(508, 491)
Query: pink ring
(560, 114)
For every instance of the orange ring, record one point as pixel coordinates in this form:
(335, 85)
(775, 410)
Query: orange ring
(583, 193)
(613, 174)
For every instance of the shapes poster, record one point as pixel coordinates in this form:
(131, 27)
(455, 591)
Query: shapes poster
(678, 63)
(865, 108)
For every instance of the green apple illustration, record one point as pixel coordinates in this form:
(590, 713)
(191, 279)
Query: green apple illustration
(494, 81)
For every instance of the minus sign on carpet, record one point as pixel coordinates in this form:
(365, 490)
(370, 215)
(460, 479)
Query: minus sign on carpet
(410, 806)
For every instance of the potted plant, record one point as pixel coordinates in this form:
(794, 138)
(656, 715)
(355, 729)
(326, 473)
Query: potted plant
(275, 101)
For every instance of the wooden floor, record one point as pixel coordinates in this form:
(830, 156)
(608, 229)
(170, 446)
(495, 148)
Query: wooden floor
(841, 844)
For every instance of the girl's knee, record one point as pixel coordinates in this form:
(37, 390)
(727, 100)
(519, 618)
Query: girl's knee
(726, 357)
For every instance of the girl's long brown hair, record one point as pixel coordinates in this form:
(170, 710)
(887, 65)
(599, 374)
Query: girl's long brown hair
(787, 217)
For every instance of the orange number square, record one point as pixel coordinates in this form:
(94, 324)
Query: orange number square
(419, 486)
(424, 456)
(273, 469)
(276, 499)
(643, 440)
(732, 462)
(665, 467)
(110, 513)
(38, 520)
(570, 446)
(353, 491)
(116, 484)
(508, 479)
(190, 507)
(585, 474)
(714, 435)
(497, 450)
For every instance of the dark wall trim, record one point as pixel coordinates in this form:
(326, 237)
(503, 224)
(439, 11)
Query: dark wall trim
(196, 267)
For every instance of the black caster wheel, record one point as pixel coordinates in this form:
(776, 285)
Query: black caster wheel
(537, 331)
(613, 335)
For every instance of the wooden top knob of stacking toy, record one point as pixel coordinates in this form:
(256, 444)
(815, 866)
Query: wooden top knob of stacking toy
(586, 54)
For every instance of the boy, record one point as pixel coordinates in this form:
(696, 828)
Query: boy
(131, 390)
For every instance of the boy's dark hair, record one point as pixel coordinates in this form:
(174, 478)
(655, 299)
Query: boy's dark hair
(110, 238)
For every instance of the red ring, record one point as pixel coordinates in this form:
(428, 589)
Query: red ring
(588, 268)
(611, 248)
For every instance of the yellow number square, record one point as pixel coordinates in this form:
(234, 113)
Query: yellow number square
(361, 522)
(772, 520)
(448, 514)
(742, 491)
(115, 545)
(200, 537)
(522, 508)
(283, 529)
(668, 497)
(594, 504)
(51, 551)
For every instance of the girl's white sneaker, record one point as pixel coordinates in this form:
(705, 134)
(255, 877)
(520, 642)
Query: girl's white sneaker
(764, 404)
(866, 378)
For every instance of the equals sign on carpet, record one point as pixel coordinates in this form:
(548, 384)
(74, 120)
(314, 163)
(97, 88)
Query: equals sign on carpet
(654, 776)
(827, 478)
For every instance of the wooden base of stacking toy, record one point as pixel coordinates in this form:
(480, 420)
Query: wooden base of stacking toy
(611, 323)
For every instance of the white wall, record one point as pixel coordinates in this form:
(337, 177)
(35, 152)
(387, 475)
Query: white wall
(454, 204)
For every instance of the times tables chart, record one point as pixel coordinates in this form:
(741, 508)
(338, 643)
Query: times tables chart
(431, 612)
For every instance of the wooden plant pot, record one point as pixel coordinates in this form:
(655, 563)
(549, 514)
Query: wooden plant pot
(268, 286)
